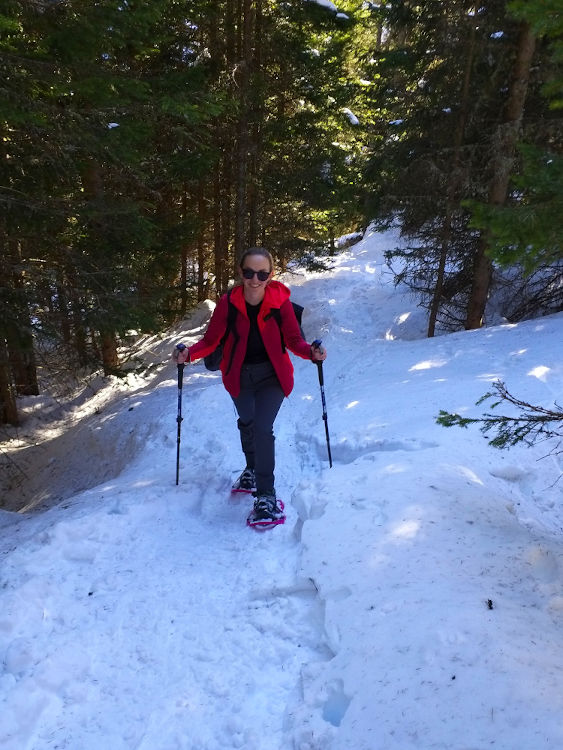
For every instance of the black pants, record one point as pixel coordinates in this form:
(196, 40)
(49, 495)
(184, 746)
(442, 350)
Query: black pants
(258, 404)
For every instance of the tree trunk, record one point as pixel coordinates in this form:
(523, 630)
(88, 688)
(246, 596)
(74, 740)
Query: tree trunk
(80, 337)
(222, 265)
(217, 225)
(246, 24)
(19, 335)
(453, 183)
(22, 363)
(184, 258)
(202, 215)
(506, 138)
(94, 192)
(223, 51)
(256, 145)
(62, 306)
(8, 404)
(110, 358)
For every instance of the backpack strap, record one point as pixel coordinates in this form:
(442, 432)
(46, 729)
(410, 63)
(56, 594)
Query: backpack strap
(298, 310)
(275, 313)
(231, 317)
(231, 328)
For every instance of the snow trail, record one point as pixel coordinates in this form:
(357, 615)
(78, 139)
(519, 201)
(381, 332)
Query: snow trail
(412, 600)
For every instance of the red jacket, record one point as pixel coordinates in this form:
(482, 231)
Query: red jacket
(276, 296)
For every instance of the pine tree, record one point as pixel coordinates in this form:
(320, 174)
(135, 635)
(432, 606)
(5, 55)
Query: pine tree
(527, 229)
(444, 105)
(503, 153)
(92, 94)
(144, 145)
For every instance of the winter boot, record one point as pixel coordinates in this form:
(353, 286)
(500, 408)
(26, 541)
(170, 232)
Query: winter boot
(246, 482)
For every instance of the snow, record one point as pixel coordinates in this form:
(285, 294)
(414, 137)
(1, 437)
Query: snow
(351, 116)
(325, 4)
(412, 600)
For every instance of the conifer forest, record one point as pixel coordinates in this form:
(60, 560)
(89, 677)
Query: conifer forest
(146, 143)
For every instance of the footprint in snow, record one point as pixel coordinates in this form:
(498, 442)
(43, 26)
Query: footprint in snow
(347, 451)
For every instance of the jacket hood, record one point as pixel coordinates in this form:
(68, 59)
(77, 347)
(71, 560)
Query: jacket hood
(276, 294)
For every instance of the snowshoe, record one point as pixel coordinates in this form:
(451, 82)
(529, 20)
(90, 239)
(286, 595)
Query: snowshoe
(246, 482)
(266, 513)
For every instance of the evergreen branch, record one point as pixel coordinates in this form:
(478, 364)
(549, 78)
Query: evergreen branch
(532, 424)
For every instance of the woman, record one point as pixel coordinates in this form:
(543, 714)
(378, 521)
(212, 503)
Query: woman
(256, 370)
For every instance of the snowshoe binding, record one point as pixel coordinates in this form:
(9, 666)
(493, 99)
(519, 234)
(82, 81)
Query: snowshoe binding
(246, 482)
(266, 513)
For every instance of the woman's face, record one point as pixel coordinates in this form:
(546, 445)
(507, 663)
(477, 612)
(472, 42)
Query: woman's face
(258, 269)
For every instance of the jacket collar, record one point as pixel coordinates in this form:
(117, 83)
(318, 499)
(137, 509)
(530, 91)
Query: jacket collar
(276, 294)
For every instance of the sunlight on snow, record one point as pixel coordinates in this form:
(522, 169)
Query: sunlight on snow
(395, 468)
(143, 483)
(464, 471)
(399, 320)
(407, 529)
(428, 364)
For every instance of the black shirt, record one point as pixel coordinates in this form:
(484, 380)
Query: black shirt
(255, 349)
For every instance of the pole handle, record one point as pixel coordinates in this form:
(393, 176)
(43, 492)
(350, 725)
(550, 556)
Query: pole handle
(180, 375)
(317, 345)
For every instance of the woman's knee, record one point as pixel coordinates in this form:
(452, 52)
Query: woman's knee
(263, 431)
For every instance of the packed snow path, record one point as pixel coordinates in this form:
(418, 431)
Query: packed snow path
(412, 600)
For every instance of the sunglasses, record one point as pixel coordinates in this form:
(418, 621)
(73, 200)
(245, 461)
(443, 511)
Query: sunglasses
(248, 273)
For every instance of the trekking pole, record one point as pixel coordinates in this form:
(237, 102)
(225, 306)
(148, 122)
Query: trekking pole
(179, 418)
(317, 344)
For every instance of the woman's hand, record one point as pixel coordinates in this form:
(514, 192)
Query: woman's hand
(181, 354)
(318, 353)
